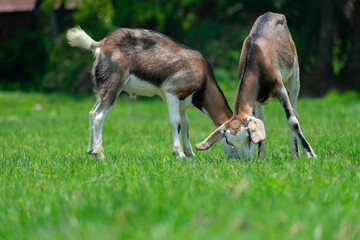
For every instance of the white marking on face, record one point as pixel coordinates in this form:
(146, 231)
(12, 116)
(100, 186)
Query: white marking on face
(229, 150)
(241, 142)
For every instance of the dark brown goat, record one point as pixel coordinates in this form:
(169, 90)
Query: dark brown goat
(148, 63)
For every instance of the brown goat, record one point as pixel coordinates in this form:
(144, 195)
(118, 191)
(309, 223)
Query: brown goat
(268, 68)
(148, 63)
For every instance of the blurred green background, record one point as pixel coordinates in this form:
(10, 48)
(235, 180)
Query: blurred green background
(35, 56)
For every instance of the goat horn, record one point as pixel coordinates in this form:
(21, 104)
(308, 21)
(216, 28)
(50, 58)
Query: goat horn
(217, 135)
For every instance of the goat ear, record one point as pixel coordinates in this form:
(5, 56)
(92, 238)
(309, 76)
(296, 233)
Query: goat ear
(256, 129)
(217, 135)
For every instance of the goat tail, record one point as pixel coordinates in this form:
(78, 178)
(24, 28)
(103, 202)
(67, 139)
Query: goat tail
(79, 38)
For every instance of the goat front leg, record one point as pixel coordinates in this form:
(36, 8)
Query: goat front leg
(294, 124)
(184, 128)
(259, 113)
(173, 103)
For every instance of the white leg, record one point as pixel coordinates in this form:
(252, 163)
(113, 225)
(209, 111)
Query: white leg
(259, 113)
(173, 106)
(293, 95)
(110, 82)
(294, 148)
(184, 127)
(97, 117)
(293, 89)
(294, 123)
(91, 139)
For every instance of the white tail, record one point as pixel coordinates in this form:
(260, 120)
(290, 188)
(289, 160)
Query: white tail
(78, 38)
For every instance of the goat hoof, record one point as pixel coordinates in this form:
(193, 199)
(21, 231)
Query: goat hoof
(191, 155)
(100, 155)
(295, 154)
(311, 155)
(96, 155)
(179, 154)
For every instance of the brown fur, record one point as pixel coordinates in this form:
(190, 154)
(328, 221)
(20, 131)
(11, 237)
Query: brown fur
(156, 58)
(268, 45)
(267, 53)
(126, 58)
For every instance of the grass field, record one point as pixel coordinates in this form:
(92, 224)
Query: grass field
(51, 189)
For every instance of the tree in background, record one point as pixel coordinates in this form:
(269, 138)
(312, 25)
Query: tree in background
(350, 74)
(325, 33)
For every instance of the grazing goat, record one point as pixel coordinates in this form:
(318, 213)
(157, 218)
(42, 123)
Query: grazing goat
(268, 68)
(148, 63)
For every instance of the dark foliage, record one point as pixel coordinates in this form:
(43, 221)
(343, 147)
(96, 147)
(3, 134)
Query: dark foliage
(325, 34)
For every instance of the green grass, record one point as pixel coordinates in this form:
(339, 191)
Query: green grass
(51, 189)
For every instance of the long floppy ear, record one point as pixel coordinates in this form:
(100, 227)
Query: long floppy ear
(217, 135)
(256, 129)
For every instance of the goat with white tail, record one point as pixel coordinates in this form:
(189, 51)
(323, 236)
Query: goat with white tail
(268, 68)
(148, 63)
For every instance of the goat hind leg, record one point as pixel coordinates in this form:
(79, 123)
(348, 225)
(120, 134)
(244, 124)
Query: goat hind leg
(259, 113)
(91, 120)
(107, 95)
(293, 95)
(97, 117)
(294, 123)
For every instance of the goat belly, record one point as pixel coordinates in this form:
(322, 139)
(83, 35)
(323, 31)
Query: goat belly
(135, 85)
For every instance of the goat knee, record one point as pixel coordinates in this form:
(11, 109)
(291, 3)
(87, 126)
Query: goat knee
(92, 115)
(95, 119)
(175, 122)
(293, 123)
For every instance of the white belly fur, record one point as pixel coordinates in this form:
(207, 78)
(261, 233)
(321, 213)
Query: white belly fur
(135, 85)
